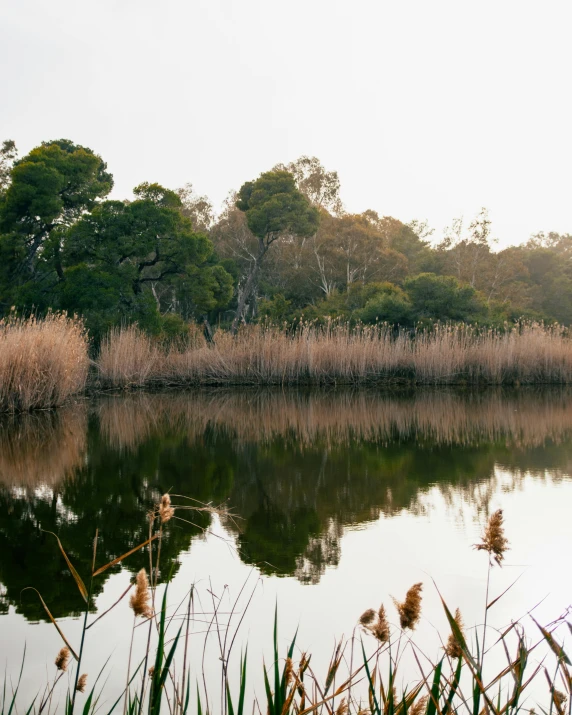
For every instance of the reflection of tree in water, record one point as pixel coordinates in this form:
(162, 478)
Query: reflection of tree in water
(110, 490)
(297, 468)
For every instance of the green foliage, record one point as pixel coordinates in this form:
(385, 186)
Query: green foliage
(8, 154)
(388, 304)
(273, 205)
(276, 309)
(132, 262)
(49, 189)
(443, 298)
(62, 246)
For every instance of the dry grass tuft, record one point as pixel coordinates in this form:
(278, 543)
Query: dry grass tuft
(42, 362)
(127, 358)
(381, 628)
(166, 511)
(140, 600)
(367, 617)
(410, 610)
(420, 706)
(494, 540)
(62, 659)
(453, 647)
(376, 623)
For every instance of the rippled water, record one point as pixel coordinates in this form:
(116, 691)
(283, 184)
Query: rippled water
(338, 500)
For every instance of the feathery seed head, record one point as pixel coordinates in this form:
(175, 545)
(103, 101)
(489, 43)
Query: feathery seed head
(288, 671)
(381, 632)
(342, 708)
(420, 706)
(453, 647)
(81, 683)
(493, 539)
(139, 601)
(166, 511)
(367, 617)
(559, 699)
(62, 658)
(410, 610)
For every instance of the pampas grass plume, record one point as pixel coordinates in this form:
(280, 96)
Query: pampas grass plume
(139, 601)
(62, 658)
(166, 511)
(493, 539)
(453, 647)
(410, 610)
(367, 617)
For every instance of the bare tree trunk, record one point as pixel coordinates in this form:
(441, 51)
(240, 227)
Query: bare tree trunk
(249, 287)
(208, 331)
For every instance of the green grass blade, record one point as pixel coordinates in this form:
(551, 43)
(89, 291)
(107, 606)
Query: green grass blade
(271, 708)
(170, 657)
(370, 681)
(229, 699)
(116, 703)
(188, 693)
(13, 703)
(240, 710)
(87, 705)
(278, 700)
(155, 693)
(435, 689)
(454, 686)
(476, 698)
(29, 710)
(459, 637)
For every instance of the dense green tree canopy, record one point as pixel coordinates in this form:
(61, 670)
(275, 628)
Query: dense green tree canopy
(283, 249)
(50, 187)
(119, 249)
(273, 205)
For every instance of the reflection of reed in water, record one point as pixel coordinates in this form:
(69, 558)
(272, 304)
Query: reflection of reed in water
(42, 448)
(522, 419)
(126, 422)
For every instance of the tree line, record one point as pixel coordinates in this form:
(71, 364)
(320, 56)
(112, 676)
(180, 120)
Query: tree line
(283, 248)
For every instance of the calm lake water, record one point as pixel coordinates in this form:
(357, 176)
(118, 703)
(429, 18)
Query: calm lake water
(338, 501)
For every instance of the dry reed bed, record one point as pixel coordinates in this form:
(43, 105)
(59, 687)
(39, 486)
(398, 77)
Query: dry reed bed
(42, 361)
(525, 420)
(528, 353)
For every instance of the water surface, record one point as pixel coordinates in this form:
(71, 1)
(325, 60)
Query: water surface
(336, 501)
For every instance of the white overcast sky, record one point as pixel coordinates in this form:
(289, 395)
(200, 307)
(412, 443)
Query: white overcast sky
(428, 109)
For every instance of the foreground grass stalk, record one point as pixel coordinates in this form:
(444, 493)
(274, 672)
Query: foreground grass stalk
(81, 646)
(292, 687)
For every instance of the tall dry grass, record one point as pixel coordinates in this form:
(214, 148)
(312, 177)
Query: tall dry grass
(528, 353)
(127, 358)
(42, 361)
